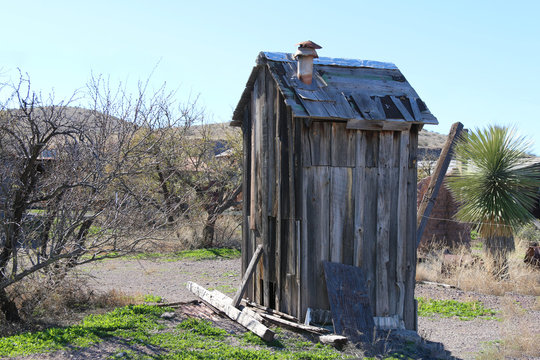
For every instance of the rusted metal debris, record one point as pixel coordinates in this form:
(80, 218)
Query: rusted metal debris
(532, 255)
(309, 44)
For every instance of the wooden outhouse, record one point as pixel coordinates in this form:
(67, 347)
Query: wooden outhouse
(330, 175)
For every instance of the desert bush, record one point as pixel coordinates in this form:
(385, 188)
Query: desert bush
(529, 234)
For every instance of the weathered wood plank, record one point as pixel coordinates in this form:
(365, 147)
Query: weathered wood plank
(246, 182)
(292, 273)
(227, 300)
(368, 107)
(334, 340)
(415, 109)
(342, 145)
(241, 317)
(359, 197)
(279, 218)
(315, 235)
(393, 183)
(253, 167)
(271, 150)
(402, 109)
(402, 217)
(293, 325)
(298, 201)
(349, 300)
(266, 109)
(428, 201)
(247, 276)
(316, 144)
(409, 315)
(388, 322)
(259, 308)
(369, 245)
(379, 125)
(341, 215)
(384, 192)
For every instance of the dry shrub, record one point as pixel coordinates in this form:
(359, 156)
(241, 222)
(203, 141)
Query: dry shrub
(228, 231)
(47, 300)
(478, 276)
(518, 338)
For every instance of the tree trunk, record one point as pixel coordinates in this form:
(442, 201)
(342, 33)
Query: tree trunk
(209, 231)
(8, 307)
(81, 237)
(498, 248)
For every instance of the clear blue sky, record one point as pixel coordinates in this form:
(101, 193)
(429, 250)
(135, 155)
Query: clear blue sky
(471, 61)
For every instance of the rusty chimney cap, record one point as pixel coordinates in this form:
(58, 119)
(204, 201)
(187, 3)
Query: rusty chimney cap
(309, 44)
(307, 48)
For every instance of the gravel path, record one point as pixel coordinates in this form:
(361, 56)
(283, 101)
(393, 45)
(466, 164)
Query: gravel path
(164, 278)
(167, 279)
(466, 338)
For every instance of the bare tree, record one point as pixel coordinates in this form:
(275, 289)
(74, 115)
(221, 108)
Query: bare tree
(216, 176)
(67, 194)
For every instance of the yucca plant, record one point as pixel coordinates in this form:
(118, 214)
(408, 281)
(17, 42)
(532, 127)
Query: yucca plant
(495, 189)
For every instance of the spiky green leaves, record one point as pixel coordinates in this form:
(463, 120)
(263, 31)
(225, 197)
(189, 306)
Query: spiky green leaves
(495, 188)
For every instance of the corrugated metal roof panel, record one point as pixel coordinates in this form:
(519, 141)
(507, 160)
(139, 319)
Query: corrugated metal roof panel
(342, 89)
(277, 56)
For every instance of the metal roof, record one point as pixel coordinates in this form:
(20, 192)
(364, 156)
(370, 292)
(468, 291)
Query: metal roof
(342, 89)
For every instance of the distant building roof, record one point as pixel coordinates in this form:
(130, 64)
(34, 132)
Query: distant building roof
(342, 89)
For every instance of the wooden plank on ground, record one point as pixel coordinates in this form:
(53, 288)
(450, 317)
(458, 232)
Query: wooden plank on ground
(247, 276)
(267, 310)
(349, 300)
(242, 317)
(293, 325)
(428, 201)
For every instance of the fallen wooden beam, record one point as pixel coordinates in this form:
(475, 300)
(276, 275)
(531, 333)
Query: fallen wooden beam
(216, 299)
(268, 310)
(247, 275)
(334, 340)
(295, 326)
(228, 300)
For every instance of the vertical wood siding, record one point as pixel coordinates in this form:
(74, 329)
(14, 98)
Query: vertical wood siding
(317, 191)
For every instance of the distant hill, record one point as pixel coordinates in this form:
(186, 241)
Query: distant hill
(428, 140)
(431, 140)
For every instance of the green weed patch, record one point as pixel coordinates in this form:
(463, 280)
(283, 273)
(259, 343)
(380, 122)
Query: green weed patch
(92, 330)
(150, 298)
(197, 254)
(141, 325)
(467, 310)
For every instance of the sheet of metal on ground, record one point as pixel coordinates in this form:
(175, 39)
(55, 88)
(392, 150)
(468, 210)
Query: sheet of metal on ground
(349, 301)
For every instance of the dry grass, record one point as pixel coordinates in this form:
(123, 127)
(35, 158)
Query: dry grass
(187, 235)
(518, 340)
(478, 277)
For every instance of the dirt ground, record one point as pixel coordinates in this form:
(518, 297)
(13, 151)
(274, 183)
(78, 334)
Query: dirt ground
(167, 279)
